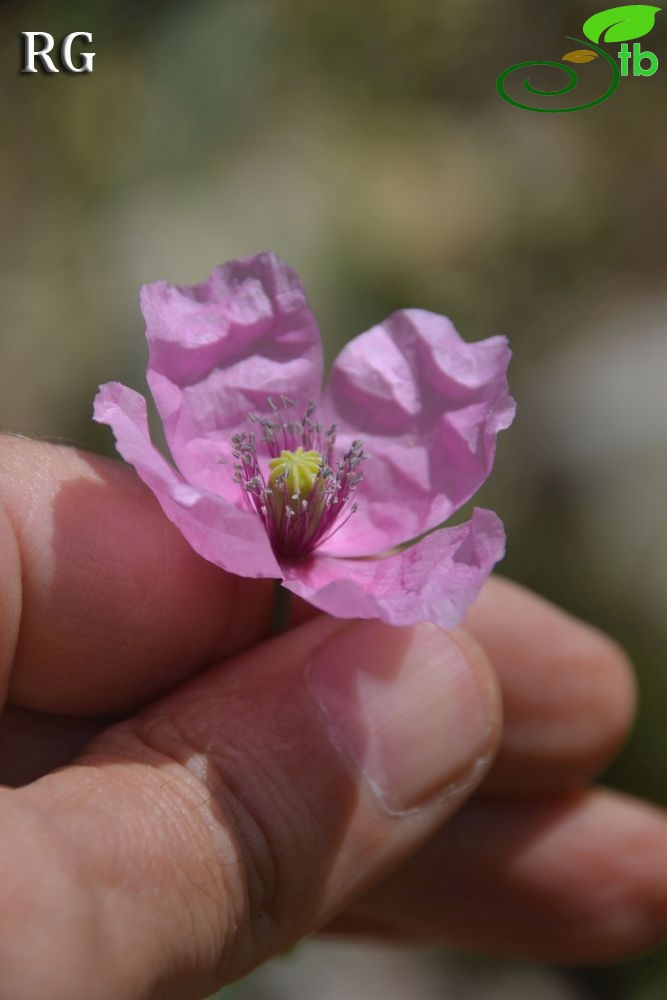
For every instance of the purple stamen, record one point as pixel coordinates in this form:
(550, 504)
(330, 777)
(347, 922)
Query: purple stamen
(297, 524)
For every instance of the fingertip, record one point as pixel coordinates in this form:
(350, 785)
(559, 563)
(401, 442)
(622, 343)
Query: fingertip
(576, 879)
(415, 708)
(569, 693)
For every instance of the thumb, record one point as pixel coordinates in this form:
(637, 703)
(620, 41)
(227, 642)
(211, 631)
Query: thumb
(242, 811)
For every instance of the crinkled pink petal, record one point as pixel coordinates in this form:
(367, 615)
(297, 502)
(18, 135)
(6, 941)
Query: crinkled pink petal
(435, 580)
(427, 407)
(218, 349)
(216, 529)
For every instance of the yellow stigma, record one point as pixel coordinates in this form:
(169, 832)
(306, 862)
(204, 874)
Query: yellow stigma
(299, 469)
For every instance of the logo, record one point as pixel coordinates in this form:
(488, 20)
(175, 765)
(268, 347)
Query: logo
(38, 45)
(618, 24)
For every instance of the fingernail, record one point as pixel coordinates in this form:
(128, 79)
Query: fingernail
(405, 705)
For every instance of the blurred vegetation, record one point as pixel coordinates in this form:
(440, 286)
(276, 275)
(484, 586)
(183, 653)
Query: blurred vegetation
(367, 145)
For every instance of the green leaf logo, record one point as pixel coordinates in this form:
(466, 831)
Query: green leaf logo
(620, 24)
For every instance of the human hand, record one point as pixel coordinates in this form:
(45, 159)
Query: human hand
(300, 782)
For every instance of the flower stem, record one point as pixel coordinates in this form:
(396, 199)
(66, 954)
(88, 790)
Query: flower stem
(282, 609)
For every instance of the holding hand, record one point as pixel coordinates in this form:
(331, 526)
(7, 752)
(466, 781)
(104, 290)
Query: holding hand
(240, 792)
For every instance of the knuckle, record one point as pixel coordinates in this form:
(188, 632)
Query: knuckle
(214, 805)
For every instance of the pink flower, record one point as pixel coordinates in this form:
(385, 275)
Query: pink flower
(278, 478)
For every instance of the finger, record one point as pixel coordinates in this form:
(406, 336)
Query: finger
(568, 691)
(114, 605)
(581, 879)
(117, 607)
(242, 811)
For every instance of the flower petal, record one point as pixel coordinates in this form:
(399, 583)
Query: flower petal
(231, 538)
(434, 580)
(427, 407)
(218, 349)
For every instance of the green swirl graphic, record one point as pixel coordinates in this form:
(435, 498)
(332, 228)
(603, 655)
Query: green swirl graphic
(573, 80)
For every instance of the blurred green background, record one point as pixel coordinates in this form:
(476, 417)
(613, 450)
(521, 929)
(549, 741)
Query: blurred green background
(365, 143)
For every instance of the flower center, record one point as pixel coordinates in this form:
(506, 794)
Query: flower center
(297, 468)
(307, 495)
